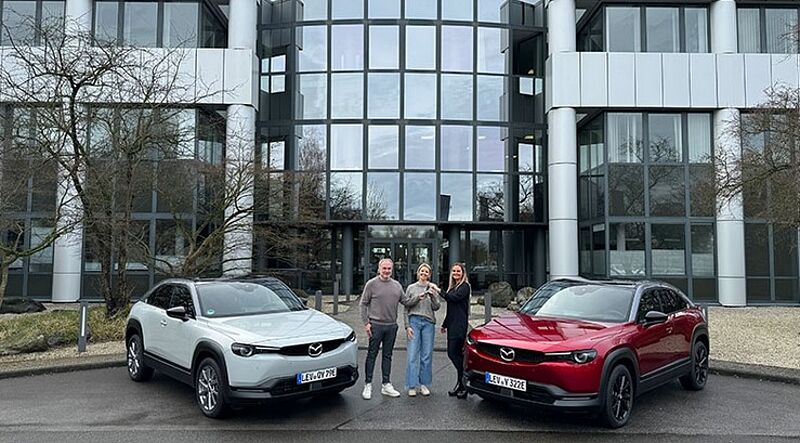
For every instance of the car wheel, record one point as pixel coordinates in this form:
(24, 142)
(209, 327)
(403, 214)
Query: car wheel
(210, 386)
(618, 399)
(696, 379)
(137, 370)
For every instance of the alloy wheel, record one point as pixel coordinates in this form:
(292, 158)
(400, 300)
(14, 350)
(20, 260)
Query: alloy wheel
(134, 358)
(621, 397)
(208, 388)
(700, 365)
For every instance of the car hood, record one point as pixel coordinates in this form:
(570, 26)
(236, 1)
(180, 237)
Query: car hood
(544, 334)
(281, 329)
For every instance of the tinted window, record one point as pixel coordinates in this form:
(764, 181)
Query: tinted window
(225, 299)
(181, 296)
(671, 302)
(160, 297)
(584, 301)
(649, 302)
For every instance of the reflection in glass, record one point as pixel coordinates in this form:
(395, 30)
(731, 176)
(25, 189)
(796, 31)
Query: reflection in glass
(420, 147)
(702, 190)
(16, 16)
(420, 96)
(623, 29)
(626, 190)
(346, 147)
(456, 148)
(314, 94)
(666, 143)
(696, 29)
(421, 47)
(313, 56)
(419, 201)
(699, 128)
(625, 138)
(180, 25)
(784, 253)
(668, 249)
(384, 96)
(456, 97)
(490, 197)
(491, 149)
(626, 249)
(749, 30)
(456, 48)
(459, 188)
(425, 9)
(781, 28)
(489, 10)
(105, 21)
(347, 47)
(315, 10)
(312, 153)
(384, 47)
(491, 90)
(311, 198)
(383, 147)
(141, 20)
(383, 196)
(384, 8)
(662, 29)
(667, 191)
(491, 58)
(530, 195)
(756, 237)
(345, 195)
(342, 9)
(347, 95)
(703, 249)
(457, 10)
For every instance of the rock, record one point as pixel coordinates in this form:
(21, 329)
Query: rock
(502, 294)
(479, 300)
(24, 345)
(18, 305)
(524, 294)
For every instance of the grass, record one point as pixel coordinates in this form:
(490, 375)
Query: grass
(61, 326)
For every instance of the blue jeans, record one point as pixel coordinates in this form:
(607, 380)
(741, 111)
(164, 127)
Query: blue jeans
(419, 370)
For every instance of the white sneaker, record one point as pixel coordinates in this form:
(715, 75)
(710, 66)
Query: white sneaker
(424, 390)
(366, 394)
(412, 392)
(388, 390)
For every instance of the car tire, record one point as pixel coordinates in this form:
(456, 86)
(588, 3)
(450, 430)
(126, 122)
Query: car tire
(618, 398)
(696, 379)
(137, 370)
(210, 385)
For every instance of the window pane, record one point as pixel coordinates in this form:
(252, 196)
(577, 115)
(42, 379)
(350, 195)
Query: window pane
(702, 190)
(347, 95)
(346, 147)
(384, 96)
(347, 47)
(384, 8)
(312, 153)
(315, 10)
(699, 138)
(420, 56)
(491, 90)
(668, 249)
(141, 20)
(626, 190)
(667, 191)
(419, 201)
(383, 196)
(425, 9)
(696, 29)
(17, 22)
(456, 148)
(313, 55)
(758, 290)
(457, 10)
(665, 138)
(626, 249)
(491, 149)
(313, 96)
(623, 29)
(491, 58)
(662, 30)
(531, 198)
(384, 47)
(459, 188)
(53, 13)
(703, 250)
(180, 25)
(105, 21)
(346, 193)
(490, 198)
(749, 24)
(785, 251)
(383, 147)
(781, 30)
(343, 9)
(457, 48)
(456, 97)
(624, 138)
(756, 237)
(489, 10)
(420, 96)
(420, 147)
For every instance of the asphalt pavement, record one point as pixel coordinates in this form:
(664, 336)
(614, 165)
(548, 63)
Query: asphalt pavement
(104, 405)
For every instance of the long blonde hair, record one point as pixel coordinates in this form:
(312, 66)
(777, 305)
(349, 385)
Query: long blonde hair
(464, 278)
(428, 267)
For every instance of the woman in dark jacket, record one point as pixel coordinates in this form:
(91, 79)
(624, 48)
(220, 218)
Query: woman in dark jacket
(455, 323)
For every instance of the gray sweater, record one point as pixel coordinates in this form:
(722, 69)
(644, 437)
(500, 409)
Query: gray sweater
(414, 305)
(379, 301)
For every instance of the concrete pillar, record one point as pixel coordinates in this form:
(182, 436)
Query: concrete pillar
(730, 218)
(561, 26)
(78, 17)
(347, 259)
(723, 27)
(68, 249)
(454, 241)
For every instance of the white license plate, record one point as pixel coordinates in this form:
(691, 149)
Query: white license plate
(312, 376)
(506, 382)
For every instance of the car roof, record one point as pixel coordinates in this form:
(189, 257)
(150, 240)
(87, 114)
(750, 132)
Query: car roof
(634, 284)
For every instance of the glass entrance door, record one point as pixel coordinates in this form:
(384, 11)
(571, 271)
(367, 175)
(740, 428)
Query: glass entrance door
(406, 254)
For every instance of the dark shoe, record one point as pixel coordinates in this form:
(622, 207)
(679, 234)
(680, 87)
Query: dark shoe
(462, 394)
(456, 389)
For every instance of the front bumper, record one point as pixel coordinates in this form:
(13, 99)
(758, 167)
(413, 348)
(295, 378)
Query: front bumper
(287, 388)
(536, 394)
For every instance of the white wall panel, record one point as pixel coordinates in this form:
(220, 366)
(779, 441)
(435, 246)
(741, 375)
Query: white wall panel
(758, 78)
(566, 69)
(703, 80)
(730, 80)
(209, 75)
(548, 84)
(238, 81)
(675, 69)
(649, 82)
(785, 70)
(621, 79)
(594, 79)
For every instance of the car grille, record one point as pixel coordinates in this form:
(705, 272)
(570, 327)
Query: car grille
(520, 355)
(288, 385)
(301, 350)
(533, 392)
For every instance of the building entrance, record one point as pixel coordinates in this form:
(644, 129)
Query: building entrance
(407, 254)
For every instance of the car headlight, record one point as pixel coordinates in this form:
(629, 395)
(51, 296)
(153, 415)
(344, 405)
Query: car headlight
(352, 337)
(470, 341)
(581, 357)
(243, 350)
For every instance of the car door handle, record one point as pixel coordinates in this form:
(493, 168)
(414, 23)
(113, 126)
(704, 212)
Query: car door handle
(163, 322)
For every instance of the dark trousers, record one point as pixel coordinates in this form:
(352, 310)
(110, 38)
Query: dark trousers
(455, 351)
(381, 335)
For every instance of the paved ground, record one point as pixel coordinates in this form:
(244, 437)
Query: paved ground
(104, 405)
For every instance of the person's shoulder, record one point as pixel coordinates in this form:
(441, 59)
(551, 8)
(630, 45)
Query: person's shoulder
(370, 282)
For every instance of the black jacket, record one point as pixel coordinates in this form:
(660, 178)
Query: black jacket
(457, 311)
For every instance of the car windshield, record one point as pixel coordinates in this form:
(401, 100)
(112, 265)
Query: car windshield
(226, 299)
(583, 301)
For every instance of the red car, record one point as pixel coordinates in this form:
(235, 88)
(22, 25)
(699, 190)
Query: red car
(592, 346)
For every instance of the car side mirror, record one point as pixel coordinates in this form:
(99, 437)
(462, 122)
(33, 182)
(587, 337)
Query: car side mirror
(654, 317)
(178, 312)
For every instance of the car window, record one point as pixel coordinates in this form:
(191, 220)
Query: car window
(224, 299)
(160, 297)
(649, 302)
(584, 301)
(181, 296)
(671, 301)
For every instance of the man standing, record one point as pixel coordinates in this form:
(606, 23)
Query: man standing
(379, 302)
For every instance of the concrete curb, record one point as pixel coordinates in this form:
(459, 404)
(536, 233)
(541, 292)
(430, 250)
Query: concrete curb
(758, 372)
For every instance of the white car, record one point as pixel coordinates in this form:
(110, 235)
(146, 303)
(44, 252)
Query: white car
(238, 341)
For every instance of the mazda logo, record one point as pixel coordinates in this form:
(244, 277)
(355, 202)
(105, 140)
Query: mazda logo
(507, 354)
(315, 349)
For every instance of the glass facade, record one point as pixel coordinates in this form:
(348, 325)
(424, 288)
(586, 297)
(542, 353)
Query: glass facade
(769, 29)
